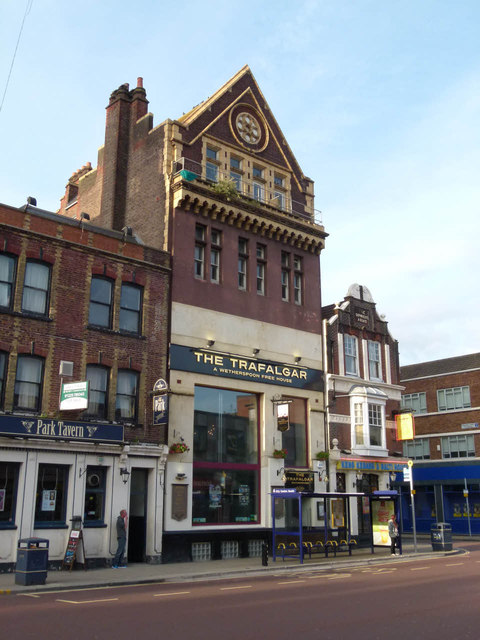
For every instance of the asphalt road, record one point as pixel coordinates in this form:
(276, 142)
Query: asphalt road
(435, 599)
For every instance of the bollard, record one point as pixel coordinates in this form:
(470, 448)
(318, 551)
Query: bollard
(264, 554)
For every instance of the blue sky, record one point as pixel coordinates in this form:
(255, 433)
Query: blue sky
(379, 101)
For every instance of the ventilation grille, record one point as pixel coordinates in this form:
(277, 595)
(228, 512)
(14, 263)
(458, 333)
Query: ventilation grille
(66, 368)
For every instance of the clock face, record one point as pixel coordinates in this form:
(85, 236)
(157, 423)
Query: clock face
(248, 128)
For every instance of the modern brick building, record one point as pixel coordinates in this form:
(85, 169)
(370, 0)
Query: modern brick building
(444, 396)
(363, 384)
(220, 189)
(80, 303)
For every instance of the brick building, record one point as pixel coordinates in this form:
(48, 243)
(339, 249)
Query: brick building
(220, 189)
(444, 396)
(79, 303)
(362, 374)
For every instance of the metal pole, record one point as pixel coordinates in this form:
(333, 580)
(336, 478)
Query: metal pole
(412, 494)
(465, 493)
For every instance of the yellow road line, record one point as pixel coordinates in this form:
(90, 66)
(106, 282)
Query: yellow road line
(248, 586)
(419, 568)
(291, 582)
(170, 593)
(86, 601)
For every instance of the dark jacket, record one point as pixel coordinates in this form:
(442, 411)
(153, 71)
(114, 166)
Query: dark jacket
(121, 533)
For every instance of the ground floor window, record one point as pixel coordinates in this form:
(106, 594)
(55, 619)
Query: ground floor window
(225, 496)
(8, 493)
(95, 496)
(51, 497)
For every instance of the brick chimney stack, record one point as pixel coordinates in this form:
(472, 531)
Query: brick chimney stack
(124, 109)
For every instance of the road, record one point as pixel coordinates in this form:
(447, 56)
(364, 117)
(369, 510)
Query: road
(434, 599)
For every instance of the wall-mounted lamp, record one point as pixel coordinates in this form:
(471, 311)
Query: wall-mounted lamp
(282, 471)
(180, 476)
(298, 359)
(125, 474)
(255, 351)
(210, 343)
(393, 477)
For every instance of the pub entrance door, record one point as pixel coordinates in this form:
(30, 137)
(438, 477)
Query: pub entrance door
(137, 525)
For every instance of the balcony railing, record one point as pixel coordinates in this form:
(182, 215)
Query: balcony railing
(232, 183)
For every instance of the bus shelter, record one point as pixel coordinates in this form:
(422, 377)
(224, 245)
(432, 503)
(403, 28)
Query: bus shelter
(382, 505)
(306, 523)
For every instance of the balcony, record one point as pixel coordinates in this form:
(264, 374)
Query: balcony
(253, 192)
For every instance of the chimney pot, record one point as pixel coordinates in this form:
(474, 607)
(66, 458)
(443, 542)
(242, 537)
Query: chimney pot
(139, 83)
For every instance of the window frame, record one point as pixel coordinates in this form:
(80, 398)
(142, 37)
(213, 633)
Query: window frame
(27, 287)
(59, 522)
(298, 280)
(10, 285)
(417, 449)
(130, 311)
(261, 269)
(452, 391)
(199, 251)
(133, 418)
(101, 472)
(447, 441)
(215, 255)
(4, 355)
(242, 264)
(22, 357)
(98, 415)
(419, 398)
(9, 497)
(374, 360)
(350, 354)
(94, 303)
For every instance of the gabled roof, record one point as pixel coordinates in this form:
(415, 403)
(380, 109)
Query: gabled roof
(253, 90)
(439, 367)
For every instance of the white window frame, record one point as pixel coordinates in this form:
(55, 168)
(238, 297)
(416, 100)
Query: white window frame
(242, 264)
(416, 402)
(365, 404)
(350, 346)
(418, 449)
(459, 397)
(451, 444)
(374, 360)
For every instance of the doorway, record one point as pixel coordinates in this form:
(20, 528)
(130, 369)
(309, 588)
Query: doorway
(137, 524)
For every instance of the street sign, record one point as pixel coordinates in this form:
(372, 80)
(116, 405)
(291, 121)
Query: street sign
(160, 385)
(407, 474)
(74, 395)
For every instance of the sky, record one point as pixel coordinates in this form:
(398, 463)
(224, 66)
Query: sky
(378, 99)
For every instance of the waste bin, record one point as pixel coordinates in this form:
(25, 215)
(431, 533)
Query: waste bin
(32, 561)
(441, 536)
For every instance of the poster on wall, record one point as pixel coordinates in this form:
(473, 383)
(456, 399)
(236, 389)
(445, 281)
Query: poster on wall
(2, 499)
(382, 510)
(49, 498)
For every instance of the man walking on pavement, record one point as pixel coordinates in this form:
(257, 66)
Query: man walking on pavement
(121, 524)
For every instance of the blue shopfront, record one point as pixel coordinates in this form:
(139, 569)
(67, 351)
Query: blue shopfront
(444, 492)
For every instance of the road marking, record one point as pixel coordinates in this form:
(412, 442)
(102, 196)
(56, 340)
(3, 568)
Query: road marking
(455, 564)
(171, 593)
(419, 568)
(291, 582)
(29, 595)
(343, 575)
(84, 589)
(248, 586)
(86, 601)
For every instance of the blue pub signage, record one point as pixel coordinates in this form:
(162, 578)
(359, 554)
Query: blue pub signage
(227, 365)
(46, 428)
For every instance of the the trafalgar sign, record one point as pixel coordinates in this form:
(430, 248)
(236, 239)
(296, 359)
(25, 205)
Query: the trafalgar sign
(253, 369)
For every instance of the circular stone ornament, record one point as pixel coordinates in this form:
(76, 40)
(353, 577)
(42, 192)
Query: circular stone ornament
(248, 128)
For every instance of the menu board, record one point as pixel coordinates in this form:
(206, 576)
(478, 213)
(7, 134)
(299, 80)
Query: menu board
(75, 540)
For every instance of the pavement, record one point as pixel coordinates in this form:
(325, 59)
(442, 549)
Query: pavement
(218, 569)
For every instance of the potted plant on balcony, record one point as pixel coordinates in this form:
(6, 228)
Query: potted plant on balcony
(279, 453)
(226, 187)
(322, 455)
(179, 447)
